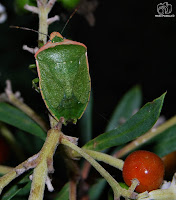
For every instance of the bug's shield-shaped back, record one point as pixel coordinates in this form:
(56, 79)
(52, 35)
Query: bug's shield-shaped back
(64, 80)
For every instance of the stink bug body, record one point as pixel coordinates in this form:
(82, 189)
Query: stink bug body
(64, 79)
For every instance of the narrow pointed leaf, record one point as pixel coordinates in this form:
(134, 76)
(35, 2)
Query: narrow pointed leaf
(86, 123)
(97, 189)
(137, 125)
(64, 193)
(19, 119)
(128, 106)
(11, 193)
(17, 192)
(165, 142)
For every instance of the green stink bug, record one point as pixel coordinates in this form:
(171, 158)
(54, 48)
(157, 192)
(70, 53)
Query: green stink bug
(64, 79)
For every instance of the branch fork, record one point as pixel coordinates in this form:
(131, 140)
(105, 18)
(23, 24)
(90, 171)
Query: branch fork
(43, 9)
(42, 164)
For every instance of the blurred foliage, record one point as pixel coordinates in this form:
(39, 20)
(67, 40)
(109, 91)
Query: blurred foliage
(69, 4)
(19, 5)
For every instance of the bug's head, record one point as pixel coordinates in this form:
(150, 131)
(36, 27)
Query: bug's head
(56, 37)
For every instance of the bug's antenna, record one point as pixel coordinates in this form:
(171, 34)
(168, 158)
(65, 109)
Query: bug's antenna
(69, 19)
(28, 29)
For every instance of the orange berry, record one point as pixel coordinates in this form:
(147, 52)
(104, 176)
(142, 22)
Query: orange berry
(147, 167)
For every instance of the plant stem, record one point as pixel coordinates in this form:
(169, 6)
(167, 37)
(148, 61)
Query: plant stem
(44, 7)
(5, 169)
(72, 189)
(50, 4)
(43, 26)
(145, 138)
(85, 170)
(38, 181)
(53, 122)
(117, 163)
(15, 172)
(73, 172)
(6, 179)
(45, 159)
(118, 191)
(45, 164)
(42, 162)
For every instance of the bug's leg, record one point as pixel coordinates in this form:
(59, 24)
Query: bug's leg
(33, 68)
(34, 84)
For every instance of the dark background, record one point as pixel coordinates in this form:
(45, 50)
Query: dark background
(127, 45)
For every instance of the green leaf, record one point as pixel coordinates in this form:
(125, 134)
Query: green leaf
(165, 142)
(19, 5)
(96, 190)
(19, 190)
(69, 4)
(17, 118)
(128, 106)
(123, 185)
(64, 193)
(25, 190)
(16, 190)
(11, 193)
(86, 122)
(25, 140)
(137, 125)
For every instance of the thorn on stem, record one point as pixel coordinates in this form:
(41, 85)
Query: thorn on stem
(73, 140)
(31, 8)
(50, 4)
(49, 184)
(20, 171)
(31, 162)
(50, 165)
(9, 92)
(58, 126)
(53, 19)
(134, 184)
(31, 177)
(29, 49)
(8, 89)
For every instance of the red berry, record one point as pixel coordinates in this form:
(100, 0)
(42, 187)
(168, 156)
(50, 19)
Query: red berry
(147, 167)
